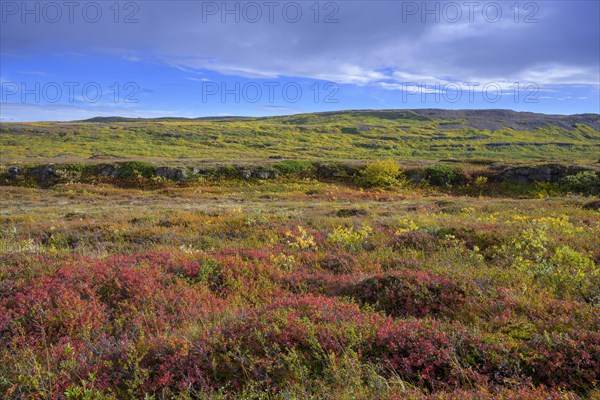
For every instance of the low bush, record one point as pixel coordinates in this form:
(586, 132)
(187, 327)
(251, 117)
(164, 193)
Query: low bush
(418, 351)
(348, 238)
(227, 171)
(584, 182)
(570, 360)
(416, 240)
(135, 169)
(336, 171)
(409, 293)
(290, 338)
(442, 175)
(292, 167)
(380, 174)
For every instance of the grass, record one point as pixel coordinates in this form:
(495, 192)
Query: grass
(336, 279)
(341, 136)
(295, 288)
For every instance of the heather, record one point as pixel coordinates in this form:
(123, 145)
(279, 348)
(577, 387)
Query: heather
(298, 288)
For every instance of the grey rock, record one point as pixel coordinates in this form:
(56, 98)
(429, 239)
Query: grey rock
(264, 174)
(551, 173)
(174, 174)
(245, 174)
(108, 171)
(13, 172)
(43, 174)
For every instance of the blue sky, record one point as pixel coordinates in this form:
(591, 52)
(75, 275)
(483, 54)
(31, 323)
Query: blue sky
(67, 61)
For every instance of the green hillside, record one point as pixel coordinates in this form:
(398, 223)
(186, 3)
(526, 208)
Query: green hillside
(346, 135)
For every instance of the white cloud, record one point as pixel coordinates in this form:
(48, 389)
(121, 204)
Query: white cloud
(370, 45)
(60, 112)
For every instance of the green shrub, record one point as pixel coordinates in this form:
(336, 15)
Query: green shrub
(83, 169)
(227, 171)
(135, 169)
(348, 238)
(292, 167)
(585, 182)
(544, 189)
(336, 170)
(563, 270)
(442, 175)
(380, 174)
(574, 274)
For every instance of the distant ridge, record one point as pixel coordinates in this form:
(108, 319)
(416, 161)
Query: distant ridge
(484, 119)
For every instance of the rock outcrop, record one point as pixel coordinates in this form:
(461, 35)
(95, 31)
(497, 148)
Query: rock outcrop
(552, 173)
(174, 174)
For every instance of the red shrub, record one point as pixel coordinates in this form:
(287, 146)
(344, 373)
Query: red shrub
(570, 360)
(254, 345)
(415, 240)
(514, 393)
(50, 308)
(339, 262)
(325, 283)
(409, 293)
(417, 350)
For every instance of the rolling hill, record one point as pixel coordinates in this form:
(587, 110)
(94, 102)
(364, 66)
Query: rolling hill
(426, 134)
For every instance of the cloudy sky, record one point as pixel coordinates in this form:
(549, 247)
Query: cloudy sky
(72, 60)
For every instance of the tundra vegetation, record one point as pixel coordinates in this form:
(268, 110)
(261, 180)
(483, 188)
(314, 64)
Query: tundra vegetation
(332, 273)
